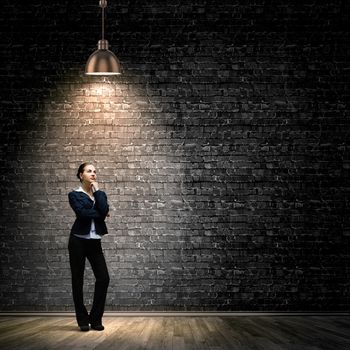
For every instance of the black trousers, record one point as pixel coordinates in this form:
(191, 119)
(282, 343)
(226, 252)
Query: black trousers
(79, 250)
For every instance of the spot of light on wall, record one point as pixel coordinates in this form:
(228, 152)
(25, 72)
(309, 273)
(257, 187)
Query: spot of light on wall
(102, 88)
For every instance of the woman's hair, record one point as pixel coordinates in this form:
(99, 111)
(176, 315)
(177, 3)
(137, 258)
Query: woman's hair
(81, 169)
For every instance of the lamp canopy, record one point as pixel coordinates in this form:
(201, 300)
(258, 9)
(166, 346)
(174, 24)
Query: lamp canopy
(103, 61)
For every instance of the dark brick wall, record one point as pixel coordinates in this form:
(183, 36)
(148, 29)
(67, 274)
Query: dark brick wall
(223, 148)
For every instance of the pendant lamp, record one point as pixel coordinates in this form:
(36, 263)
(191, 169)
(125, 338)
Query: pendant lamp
(103, 61)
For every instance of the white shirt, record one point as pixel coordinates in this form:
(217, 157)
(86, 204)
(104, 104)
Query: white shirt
(92, 234)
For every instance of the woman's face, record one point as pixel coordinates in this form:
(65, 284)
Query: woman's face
(89, 174)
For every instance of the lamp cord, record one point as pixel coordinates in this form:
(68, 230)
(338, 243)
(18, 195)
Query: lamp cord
(103, 23)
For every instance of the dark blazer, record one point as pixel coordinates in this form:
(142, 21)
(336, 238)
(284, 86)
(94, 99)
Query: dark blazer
(85, 209)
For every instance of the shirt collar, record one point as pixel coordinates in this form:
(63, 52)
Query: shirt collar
(80, 189)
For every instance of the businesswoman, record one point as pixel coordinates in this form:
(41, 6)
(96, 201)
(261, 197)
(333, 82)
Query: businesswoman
(91, 209)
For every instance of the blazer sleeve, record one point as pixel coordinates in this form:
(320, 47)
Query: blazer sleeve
(101, 203)
(79, 207)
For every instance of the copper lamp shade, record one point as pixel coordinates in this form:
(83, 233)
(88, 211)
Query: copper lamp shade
(103, 61)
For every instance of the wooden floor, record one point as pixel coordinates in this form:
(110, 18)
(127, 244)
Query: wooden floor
(200, 333)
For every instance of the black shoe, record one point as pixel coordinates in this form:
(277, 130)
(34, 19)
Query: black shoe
(84, 328)
(97, 327)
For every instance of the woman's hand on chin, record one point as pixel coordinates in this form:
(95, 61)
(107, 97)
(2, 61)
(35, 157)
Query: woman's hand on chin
(94, 186)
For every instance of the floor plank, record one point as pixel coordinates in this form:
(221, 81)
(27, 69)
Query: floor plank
(178, 333)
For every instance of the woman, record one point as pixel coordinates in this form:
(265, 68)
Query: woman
(91, 209)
